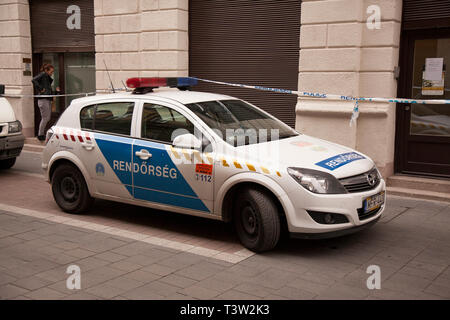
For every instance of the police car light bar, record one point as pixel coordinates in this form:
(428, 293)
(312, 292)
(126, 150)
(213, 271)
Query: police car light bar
(182, 83)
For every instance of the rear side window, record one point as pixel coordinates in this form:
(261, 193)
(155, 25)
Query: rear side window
(108, 117)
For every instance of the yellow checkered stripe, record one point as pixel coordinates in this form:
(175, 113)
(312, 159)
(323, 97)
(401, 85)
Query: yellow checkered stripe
(248, 166)
(191, 155)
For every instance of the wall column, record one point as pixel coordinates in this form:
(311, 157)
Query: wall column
(341, 55)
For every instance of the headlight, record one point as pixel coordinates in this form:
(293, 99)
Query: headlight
(14, 127)
(316, 181)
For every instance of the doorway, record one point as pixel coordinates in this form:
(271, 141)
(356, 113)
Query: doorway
(74, 73)
(423, 131)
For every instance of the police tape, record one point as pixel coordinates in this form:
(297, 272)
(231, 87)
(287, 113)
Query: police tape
(85, 94)
(326, 96)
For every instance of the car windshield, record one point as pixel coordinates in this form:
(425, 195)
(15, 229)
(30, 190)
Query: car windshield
(239, 123)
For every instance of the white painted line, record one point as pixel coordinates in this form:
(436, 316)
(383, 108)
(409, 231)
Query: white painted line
(180, 246)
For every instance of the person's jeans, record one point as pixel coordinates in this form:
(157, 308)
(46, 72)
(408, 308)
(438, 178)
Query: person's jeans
(45, 106)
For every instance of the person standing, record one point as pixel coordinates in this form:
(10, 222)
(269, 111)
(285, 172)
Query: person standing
(43, 84)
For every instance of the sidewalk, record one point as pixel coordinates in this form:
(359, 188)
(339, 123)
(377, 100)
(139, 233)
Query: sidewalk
(411, 244)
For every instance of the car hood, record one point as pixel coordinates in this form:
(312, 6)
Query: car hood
(6, 111)
(308, 152)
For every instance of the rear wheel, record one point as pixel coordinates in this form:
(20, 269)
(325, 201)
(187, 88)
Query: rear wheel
(7, 163)
(257, 220)
(70, 190)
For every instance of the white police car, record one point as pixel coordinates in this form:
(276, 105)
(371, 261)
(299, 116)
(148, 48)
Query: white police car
(212, 156)
(11, 137)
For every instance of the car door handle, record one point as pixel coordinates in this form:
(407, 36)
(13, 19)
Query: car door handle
(143, 154)
(87, 146)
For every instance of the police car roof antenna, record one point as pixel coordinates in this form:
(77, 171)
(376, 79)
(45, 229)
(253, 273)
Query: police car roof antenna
(110, 81)
(126, 89)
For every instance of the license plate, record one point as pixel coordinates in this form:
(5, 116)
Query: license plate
(373, 202)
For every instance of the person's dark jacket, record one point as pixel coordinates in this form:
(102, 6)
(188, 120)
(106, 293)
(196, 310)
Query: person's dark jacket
(43, 82)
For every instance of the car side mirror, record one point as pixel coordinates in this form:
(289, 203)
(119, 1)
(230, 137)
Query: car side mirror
(187, 141)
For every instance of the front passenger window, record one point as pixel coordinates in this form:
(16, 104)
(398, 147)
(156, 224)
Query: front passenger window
(163, 124)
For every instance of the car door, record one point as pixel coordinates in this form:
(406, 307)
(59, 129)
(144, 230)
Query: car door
(170, 177)
(107, 153)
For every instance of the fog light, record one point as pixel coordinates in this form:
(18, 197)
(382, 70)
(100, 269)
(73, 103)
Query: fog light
(328, 218)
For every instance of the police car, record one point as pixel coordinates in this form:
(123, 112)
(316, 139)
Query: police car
(209, 155)
(11, 137)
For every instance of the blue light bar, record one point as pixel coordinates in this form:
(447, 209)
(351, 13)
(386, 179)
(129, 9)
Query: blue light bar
(186, 82)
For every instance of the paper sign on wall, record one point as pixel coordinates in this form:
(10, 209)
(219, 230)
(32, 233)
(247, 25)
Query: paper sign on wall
(433, 69)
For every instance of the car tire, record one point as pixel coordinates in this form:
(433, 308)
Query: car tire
(256, 220)
(70, 190)
(7, 163)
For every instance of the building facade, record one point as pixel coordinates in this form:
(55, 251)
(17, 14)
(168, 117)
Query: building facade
(361, 48)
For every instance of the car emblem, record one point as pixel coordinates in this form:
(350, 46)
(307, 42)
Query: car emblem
(372, 179)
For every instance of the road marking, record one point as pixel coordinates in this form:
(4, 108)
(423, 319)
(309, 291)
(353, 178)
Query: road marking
(235, 257)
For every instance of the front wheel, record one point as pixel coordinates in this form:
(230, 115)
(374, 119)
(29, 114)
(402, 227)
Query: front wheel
(257, 220)
(70, 190)
(7, 163)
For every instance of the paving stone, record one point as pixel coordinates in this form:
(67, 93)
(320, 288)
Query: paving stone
(310, 286)
(126, 266)
(219, 284)
(100, 275)
(110, 256)
(105, 291)
(9, 291)
(142, 276)
(178, 281)
(124, 283)
(273, 279)
(79, 253)
(54, 275)
(200, 271)
(439, 290)
(32, 283)
(66, 245)
(294, 293)
(81, 296)
(131, 249)
(236, 295)
(159, 269)
(199, 292)
(6, 278)
(343, 292)
(181, 260)
(90, 263)
(152, 291)
(104, 245)
(253, 289)
(45, 294)
(405, 283)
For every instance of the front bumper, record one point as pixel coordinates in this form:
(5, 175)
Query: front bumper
(302, 225)
(334, 234)
(11, 146)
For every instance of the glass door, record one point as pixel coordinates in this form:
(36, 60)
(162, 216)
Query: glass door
(79, 73)
(423, 138)
(74, 73)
